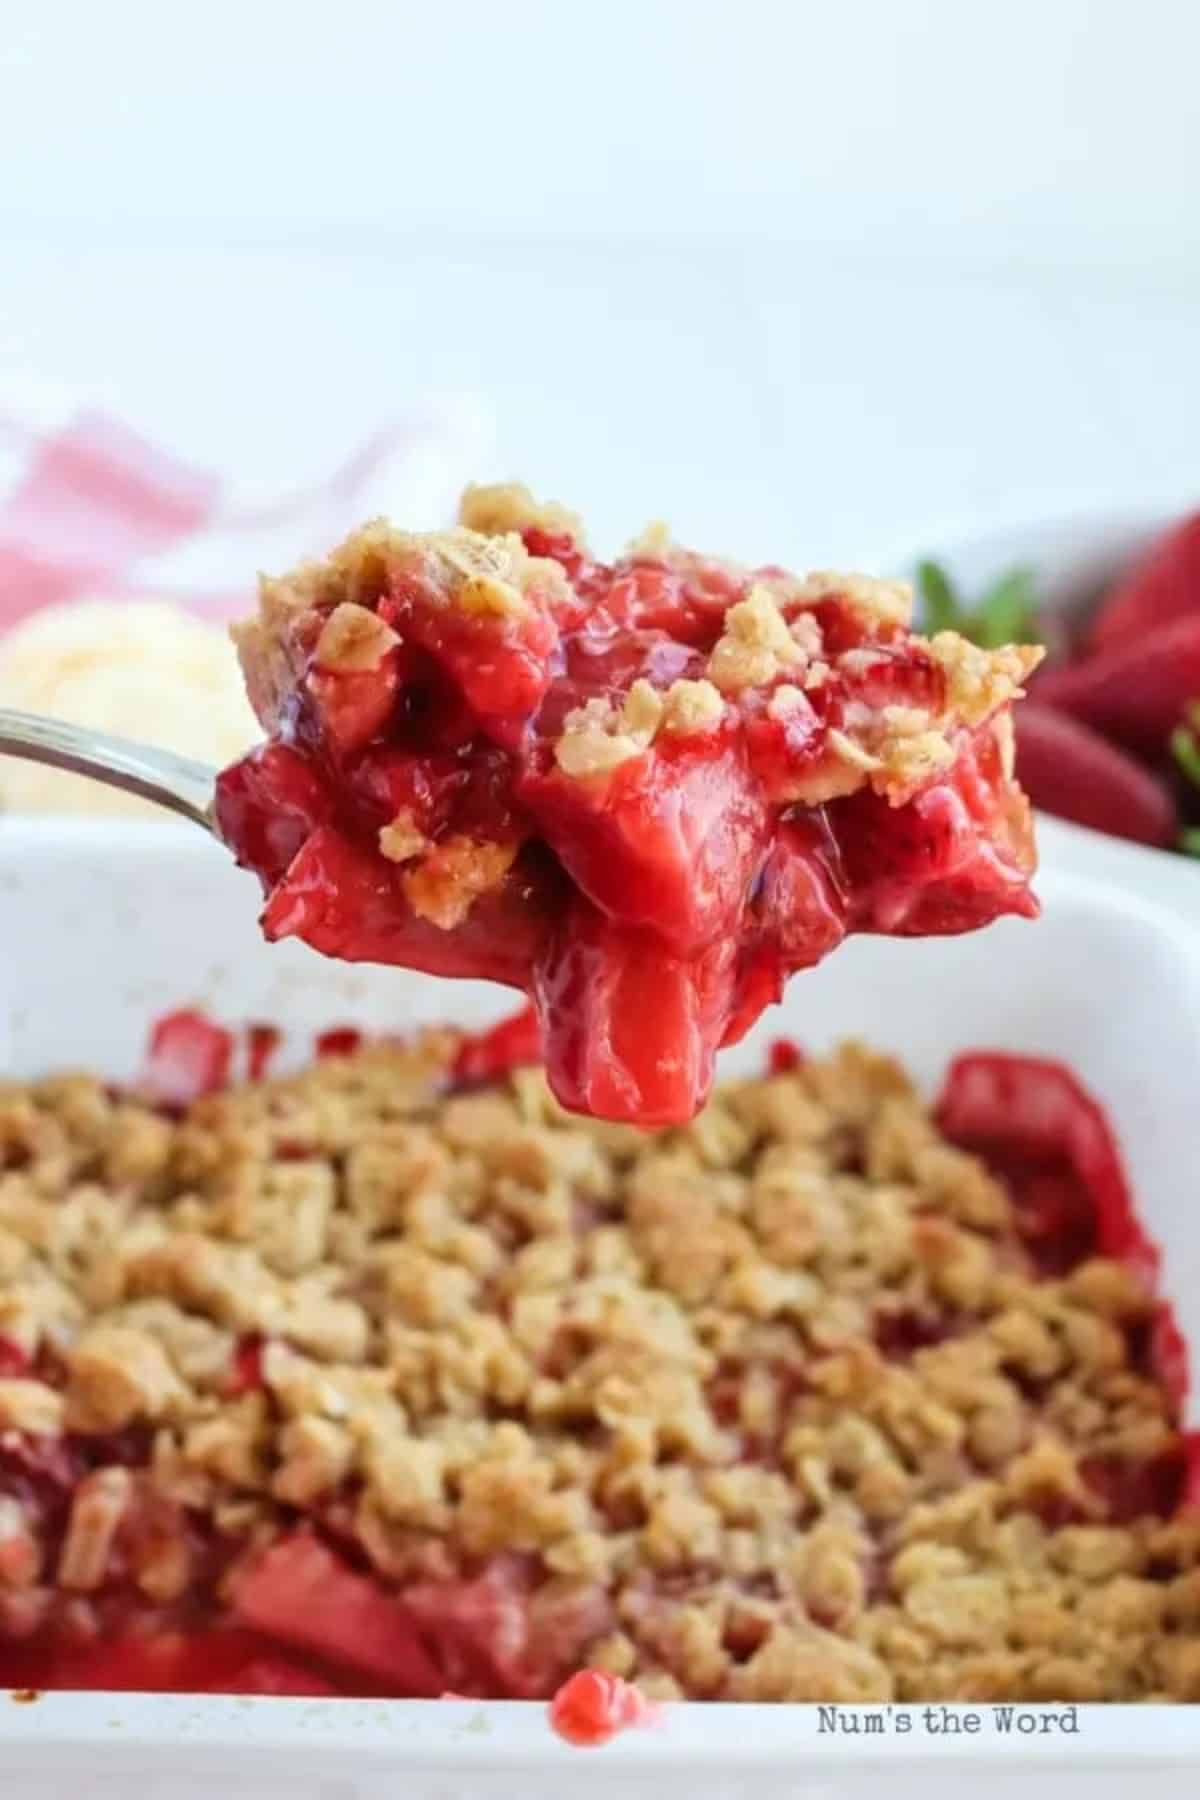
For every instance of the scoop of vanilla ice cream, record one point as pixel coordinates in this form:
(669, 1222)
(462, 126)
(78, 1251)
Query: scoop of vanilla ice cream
(143, 669)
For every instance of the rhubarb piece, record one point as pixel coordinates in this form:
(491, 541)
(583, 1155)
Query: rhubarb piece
(1163, 586)
(1071, 771)
(642, 792)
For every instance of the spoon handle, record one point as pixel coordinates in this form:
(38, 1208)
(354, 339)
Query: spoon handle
(154, 774)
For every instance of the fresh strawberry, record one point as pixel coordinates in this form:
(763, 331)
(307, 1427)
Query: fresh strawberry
(1162, 586)
(1137, 692)
(1071, 771)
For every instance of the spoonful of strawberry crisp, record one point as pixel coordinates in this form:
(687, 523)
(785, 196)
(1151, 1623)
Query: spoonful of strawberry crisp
(643, 792)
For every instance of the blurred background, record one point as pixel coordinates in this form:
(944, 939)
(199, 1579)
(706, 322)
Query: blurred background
(814, 283)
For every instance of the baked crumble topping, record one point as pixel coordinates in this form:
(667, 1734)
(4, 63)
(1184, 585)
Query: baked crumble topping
(444, 1387)
(492, 754)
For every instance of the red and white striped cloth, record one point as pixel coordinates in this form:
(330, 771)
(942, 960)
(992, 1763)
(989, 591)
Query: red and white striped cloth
(89, 507)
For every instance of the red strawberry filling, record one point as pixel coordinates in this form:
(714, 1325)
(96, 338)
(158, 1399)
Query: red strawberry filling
(643, 793)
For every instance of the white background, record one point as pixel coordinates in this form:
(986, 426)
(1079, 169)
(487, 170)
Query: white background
(809, 280)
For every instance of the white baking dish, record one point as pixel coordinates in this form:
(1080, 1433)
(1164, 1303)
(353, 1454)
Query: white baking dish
(102, 927)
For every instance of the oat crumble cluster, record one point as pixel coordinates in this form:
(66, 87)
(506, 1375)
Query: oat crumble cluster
(773, 1406)
(492, 753)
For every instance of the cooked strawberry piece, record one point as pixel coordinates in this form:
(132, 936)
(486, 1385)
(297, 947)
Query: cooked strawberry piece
(267, 805)
(1139, 1487)
(630, 1031)
(883, 674)
(593, 1707)
(264, 1673)
(299, 1593)
(783, 748)
(262, 1042)
(1163, 585)
(602, 664)
(338, 1040)
(386, 782)
(801, 902)
(353, 707)
(1033, 1122)
(246, 1373)
(501, 664)
(159, 1664)
(561, 548)
(759, 979)
(1167, 1359)
(189, 1056)
(783, 1056)
(1136, 692)
(1071, 771)
(478, 1631)
(217, 1661)
(687, 603)
(956, 856)
(350, 903)
(41, 1472)
(671, 842)
(514, 1043)
(843, 629)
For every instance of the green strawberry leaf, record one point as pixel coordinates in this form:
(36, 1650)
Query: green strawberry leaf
(1189, 842)
(1185, 743)
(1007, 613)
(942, 608)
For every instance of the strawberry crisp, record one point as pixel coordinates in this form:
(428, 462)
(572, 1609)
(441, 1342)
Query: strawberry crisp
(644, 792)
(376, 1380)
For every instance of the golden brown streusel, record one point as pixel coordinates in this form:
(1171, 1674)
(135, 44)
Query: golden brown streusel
(778, 1391)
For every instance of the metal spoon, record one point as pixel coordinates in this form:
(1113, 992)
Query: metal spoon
(185, 786)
